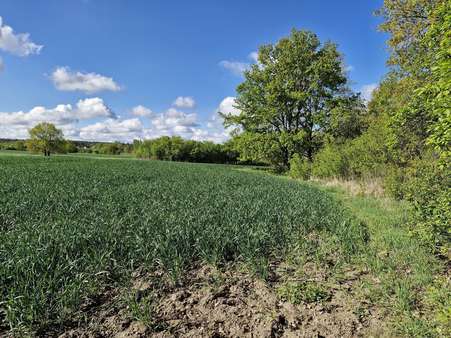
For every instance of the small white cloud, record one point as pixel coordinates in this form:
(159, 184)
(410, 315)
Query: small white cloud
(66, 80)
(254, 56)
(17, 43)
(237, 68)
(142, 111)
(349, 68)
(367, 91)
(184, 102)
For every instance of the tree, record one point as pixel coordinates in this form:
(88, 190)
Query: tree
(286, 99)
(420, 41)
(45, 138)
(407, 22)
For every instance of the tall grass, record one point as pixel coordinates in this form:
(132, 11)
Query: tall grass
(410, 282)
(69, 226)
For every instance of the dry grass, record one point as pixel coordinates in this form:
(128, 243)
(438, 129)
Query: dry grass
(362, 187)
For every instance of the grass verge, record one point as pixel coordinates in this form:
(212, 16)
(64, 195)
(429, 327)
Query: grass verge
(406, 279)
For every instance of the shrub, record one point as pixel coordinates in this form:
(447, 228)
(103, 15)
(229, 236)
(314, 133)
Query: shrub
(299, 167)
(329, 162)
(427, 187)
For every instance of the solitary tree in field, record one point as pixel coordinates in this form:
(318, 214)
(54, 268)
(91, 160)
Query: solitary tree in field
(45, 138)
(287, 99)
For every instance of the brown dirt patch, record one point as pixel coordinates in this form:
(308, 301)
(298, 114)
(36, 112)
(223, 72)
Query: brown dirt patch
(232, 303)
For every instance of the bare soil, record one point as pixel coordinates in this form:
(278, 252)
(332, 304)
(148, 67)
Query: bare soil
(232, 303)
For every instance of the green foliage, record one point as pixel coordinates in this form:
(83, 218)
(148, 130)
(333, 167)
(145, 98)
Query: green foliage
(330, 161)
(68, 147)
(45, 138)
(287, 99)
(419, 122)
(105, 218)
(177, 149)
(364, 156)
(348, 119)
(427, 186)
(406, 21)
(13, 145)
(114, 148)
(298, 292)
(300, 167)
(438, 302)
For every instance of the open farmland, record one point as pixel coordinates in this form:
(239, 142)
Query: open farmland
(70, 226)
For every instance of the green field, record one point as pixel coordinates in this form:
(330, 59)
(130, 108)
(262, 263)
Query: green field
(70, 225)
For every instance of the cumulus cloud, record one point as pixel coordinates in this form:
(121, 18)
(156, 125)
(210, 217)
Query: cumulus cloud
(17, 43)
(76, 122)
(113, 130)
(93, 107)
(228, 106)
(367, 91)
(65, 116)
(66, 80)
(142, 111)
(237, 68)
(184, 102)
(172, 119)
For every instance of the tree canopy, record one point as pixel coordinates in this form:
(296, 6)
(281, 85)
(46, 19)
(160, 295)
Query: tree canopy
(287, 99)
(45, 138)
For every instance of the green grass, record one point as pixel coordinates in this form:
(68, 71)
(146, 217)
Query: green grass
(72, 225)
(407, 275)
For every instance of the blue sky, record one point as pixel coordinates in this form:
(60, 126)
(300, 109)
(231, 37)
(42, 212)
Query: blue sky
(113, 69)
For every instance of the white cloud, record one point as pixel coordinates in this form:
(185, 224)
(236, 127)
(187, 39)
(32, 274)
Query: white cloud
(228, 106)
(65, 79)
(113, 130)
(367, 91)
(173, 118)
(93, 107)
(184, 102)
(142, 111)
(73, 119)
(65, 116)
(349, 68)
(254, 56)
(237, 68)
(17, 43)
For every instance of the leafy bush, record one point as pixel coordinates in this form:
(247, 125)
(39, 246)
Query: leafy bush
(330, 162)
(427, 186)
(299, 167)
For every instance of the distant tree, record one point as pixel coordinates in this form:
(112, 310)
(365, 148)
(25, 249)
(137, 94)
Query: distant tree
(287, 98)
(45, 138)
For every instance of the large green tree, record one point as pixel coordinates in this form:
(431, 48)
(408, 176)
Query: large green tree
(45, 138)
(287, 99)
(420, 39)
